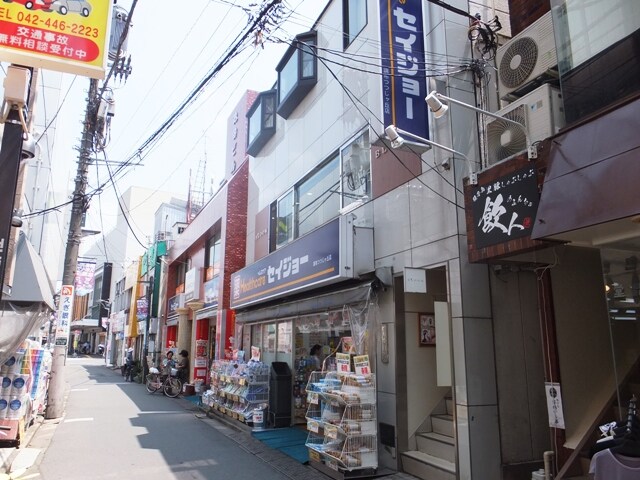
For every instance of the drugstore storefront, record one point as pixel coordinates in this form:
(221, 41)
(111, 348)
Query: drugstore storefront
(315, 292)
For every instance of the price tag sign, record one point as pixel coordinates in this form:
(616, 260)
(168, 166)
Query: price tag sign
(313, 455)
(313, 398)
(331, 431)
(243, 381)
(313, 426)
(343, 363)
(333, 465)
(361, 364)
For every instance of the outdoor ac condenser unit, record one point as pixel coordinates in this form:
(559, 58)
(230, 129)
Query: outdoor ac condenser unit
(527, 57)
(540, 112)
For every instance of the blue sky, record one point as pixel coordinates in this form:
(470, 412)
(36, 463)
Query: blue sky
(172, 50)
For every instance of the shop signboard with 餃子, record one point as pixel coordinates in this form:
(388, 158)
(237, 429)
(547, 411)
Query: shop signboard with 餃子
(64, 35)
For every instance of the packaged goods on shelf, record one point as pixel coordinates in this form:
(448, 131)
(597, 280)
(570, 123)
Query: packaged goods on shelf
(342, 420)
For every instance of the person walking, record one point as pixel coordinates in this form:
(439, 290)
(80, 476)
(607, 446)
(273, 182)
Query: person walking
(183, 366)
(128, 371)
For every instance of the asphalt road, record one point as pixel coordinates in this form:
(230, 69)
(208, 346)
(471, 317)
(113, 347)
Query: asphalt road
(113, 429)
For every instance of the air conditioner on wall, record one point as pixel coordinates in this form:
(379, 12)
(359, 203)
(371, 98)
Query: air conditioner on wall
(527, 59)
(540, 111)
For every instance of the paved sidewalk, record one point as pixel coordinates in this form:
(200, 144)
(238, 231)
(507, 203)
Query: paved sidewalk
(16, 461)
(281, 462)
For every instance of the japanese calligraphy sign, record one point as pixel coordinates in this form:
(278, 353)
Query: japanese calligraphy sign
(505, 209)
(67, 36)
(404, 84)
(65, 310)
(310, 260)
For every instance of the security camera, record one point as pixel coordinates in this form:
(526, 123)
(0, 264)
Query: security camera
(29, 148)
(16, 222)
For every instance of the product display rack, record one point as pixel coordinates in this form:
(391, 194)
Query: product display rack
(237, 389)
(342, 424)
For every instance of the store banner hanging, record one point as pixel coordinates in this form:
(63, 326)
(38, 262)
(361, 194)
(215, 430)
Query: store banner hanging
(85, 275)
(142, 310)
(65, 312)
(404, 84)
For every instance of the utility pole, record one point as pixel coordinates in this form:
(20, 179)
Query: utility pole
(80, 204)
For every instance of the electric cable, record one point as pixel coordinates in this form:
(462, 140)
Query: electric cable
(187, 155)
(230, 53)
(355, 100)
(124, 215)
(186, 70)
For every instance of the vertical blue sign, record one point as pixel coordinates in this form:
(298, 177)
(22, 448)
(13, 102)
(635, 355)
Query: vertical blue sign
(404, 83)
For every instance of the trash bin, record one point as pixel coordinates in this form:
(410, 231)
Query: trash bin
(259, 417)
(280, 394)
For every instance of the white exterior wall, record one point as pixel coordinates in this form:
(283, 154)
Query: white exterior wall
(47, 233)
(420, 224)
(122, 247)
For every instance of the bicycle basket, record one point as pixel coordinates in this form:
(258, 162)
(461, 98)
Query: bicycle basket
(174, 372)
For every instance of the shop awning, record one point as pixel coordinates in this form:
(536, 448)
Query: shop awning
(207, 312)
(303, 306)
(592, 180)
(30, 282)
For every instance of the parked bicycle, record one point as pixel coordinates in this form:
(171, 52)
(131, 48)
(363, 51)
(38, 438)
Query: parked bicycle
(483, 36)
(170, 385)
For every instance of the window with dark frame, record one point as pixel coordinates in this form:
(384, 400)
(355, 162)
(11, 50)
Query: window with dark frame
(354, 19)
(285, 219)
(183, 268)
(212, 256)
(344, 178)
(262, 121)
(297, 73)
(319, 196)
(356, 169)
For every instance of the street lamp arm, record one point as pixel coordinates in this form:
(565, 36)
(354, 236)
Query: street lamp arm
(393, 131)
(530, 153)
(429, 142)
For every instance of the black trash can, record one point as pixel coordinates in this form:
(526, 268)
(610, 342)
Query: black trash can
(280, 393)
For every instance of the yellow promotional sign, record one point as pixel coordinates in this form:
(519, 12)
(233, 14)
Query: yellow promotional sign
(65, 35)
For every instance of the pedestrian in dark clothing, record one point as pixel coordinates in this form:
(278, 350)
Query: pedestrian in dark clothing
(183, 366)
(128, 371)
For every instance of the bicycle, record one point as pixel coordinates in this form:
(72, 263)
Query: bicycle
(170, 384)
(483, 36)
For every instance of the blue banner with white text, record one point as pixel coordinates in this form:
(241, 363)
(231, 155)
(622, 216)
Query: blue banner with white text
(404, 81)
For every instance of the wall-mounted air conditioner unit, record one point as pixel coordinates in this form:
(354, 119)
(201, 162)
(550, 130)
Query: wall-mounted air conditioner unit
(540, 111)
(527, 59)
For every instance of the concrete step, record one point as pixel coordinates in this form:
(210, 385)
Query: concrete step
(443, 424)
(449, 403)
(437, 445)
(427, 467)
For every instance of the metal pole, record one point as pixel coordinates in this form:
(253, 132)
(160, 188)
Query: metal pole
(55, 406)
(146, 330)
